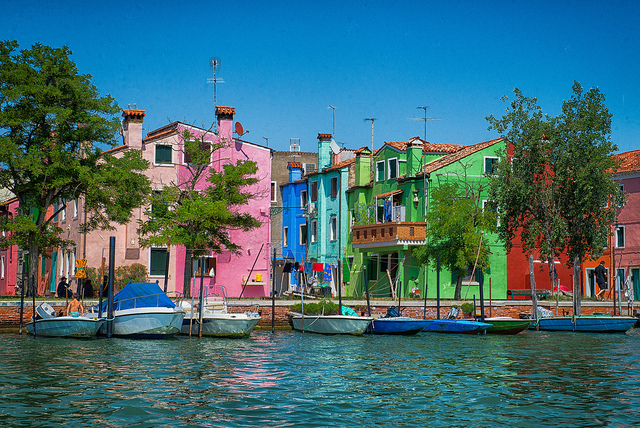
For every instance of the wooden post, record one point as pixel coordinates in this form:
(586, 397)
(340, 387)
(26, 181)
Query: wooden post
(273, 293)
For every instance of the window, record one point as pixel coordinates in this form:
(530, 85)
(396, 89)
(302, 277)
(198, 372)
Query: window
(314, 231)
(303, 198)
(333, 228)
(372, 267)
(380, 213)
(620, 237)
(75, 208)
(204, 147)
(353, 217)
(491, 205)
(303, 234)
(158, 262)
(380, 171)
(163, 154)
(334, 187)
(156, 205)
(209, 266)
(285, 236)
(63, 213)
(2, 268)
(393, 168)
(314, 191)
(490, 163)
(274, 196)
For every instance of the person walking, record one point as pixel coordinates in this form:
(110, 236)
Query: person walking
(601, 280)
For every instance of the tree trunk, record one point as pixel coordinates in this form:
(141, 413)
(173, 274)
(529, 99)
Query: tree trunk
(532, 280)
(32, 279)
(552, 277)
(577, 290)
(458, 291)
(188, 265)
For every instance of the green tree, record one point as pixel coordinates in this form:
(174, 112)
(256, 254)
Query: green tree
(53, 124)
(456, 224)
(554, 188)
(200, 211)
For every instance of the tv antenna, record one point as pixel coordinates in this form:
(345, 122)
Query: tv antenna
(214, 65)
(372, 119)
(424, 119)
(334, 120)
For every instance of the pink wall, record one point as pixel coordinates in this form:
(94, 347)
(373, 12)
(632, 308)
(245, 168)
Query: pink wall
(629, 216)
(9, 256)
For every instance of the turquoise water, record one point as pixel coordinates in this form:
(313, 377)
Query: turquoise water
(534, 379)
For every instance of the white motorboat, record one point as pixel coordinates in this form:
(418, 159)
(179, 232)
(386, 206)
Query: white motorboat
(329, 324)
(143, 310)
(217, 321)
(48, 324)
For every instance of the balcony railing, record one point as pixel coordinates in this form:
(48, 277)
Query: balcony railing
(387, 234)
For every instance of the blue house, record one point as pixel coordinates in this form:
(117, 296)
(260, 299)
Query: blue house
(294, 223)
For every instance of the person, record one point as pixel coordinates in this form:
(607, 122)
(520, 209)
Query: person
(105, 286)
(601, 280)
(74, 308)
(63, 288)
(87, 288)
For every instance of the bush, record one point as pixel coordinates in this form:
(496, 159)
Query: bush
(322, 307)
(123, 274)
(467, 308)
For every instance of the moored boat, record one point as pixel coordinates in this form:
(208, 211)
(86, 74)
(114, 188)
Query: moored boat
(216, 319)
(47, 324)
(143, 310)
(586, 324)
(397, 325)
(454, 326)
(507, 325)
(329, 324)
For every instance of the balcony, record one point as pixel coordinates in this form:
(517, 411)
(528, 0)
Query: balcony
(389, 234)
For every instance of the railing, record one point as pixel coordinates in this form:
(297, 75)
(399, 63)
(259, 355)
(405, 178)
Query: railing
(390, 234)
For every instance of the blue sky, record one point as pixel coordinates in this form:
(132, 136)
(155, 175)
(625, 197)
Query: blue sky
(284, 63)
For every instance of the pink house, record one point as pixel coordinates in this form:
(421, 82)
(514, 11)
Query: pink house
(163, 149)
(8, 256)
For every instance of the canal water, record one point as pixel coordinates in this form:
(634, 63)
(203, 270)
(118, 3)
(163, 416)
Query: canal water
(534, 379)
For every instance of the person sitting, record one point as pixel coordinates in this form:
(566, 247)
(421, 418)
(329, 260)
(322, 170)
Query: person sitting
(74, 308)
(87, 288)
(63, 288)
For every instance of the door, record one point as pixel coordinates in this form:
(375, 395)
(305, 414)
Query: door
(590, 286)
(635, 278)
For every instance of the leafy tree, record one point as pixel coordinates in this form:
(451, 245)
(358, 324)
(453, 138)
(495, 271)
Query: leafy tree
(52, 125)
(456, 223)
(554, 189)
(201, 219)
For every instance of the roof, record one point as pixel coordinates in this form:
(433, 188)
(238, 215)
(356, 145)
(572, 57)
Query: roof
(427, 147)
(342, 164)
(629, 161)
(387, 194)
(225, 110)
(161, 132)
(294, 165)
(133, 112)
(456, 156)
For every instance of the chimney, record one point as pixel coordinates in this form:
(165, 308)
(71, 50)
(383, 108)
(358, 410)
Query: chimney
(295, 171)
(324, 151)
(363, 167)
(132, 127)
(224, 116)
(414, 157)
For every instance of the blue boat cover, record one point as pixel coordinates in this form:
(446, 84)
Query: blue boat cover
(140, 295)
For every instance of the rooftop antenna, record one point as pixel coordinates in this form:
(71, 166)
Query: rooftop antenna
(372, 119)
(334, 120)
(424, 119)
(214, 65)
(267, 140)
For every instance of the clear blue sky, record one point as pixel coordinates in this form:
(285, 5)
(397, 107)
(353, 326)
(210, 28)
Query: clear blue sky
(284, 63)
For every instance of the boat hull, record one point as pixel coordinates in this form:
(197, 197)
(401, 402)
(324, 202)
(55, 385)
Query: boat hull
(77, 327)
(587, 324)
(397, 325)
(456, 327)
(330, 324)
(506, 325)
(221, 325)
(146, 323)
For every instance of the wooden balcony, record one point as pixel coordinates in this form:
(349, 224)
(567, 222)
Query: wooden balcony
(389, 234)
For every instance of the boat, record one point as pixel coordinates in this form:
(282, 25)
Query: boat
(507, 325)
(329, 324)
(453, 326)
(143, 310)
(48, 324)
(216, 319)
(586, 323)
(397, 325)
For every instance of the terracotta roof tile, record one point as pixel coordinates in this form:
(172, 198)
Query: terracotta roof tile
(294, 165)
(341, 164)
(459, 154)
(225, 110)
(387, 194)
(629, 161)
(427, 147)
(133, 112)
(324, 136)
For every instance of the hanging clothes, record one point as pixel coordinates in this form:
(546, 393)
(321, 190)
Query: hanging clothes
(387, 210)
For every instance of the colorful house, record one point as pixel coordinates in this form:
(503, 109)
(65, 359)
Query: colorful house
(9, 256)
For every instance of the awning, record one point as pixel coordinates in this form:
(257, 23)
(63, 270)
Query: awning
(387, 194)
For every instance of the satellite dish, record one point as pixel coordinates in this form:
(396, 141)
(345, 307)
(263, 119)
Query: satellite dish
(239, 129)
(334, 147)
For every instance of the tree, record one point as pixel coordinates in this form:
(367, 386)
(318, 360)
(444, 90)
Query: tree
(554, 188)
(200, 211)
(53, 124)
(456, 224)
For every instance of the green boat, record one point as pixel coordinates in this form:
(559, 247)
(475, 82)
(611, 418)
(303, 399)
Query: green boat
(507, 325)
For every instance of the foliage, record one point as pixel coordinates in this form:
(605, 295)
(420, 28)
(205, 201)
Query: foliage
(456, 223)
(201, 219)
(554, 188)
(52, 125)
(467, 308)
(123, 274)
(321, 307)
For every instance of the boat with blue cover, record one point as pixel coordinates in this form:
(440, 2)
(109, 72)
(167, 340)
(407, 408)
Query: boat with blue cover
(394, 323)
(586, 324)
(456, 326)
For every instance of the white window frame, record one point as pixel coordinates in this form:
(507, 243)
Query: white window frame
(620, 227)
(313, 234)
(333, 228)
(63, 213)
(274, 191)
(389, 162)
(285, 236)
(383, 170)
(300, 235)
(75, 208)
(484, 162)
(304, 195)
(2, 268)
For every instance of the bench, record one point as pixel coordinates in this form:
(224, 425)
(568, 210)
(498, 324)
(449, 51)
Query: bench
(541, 294)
